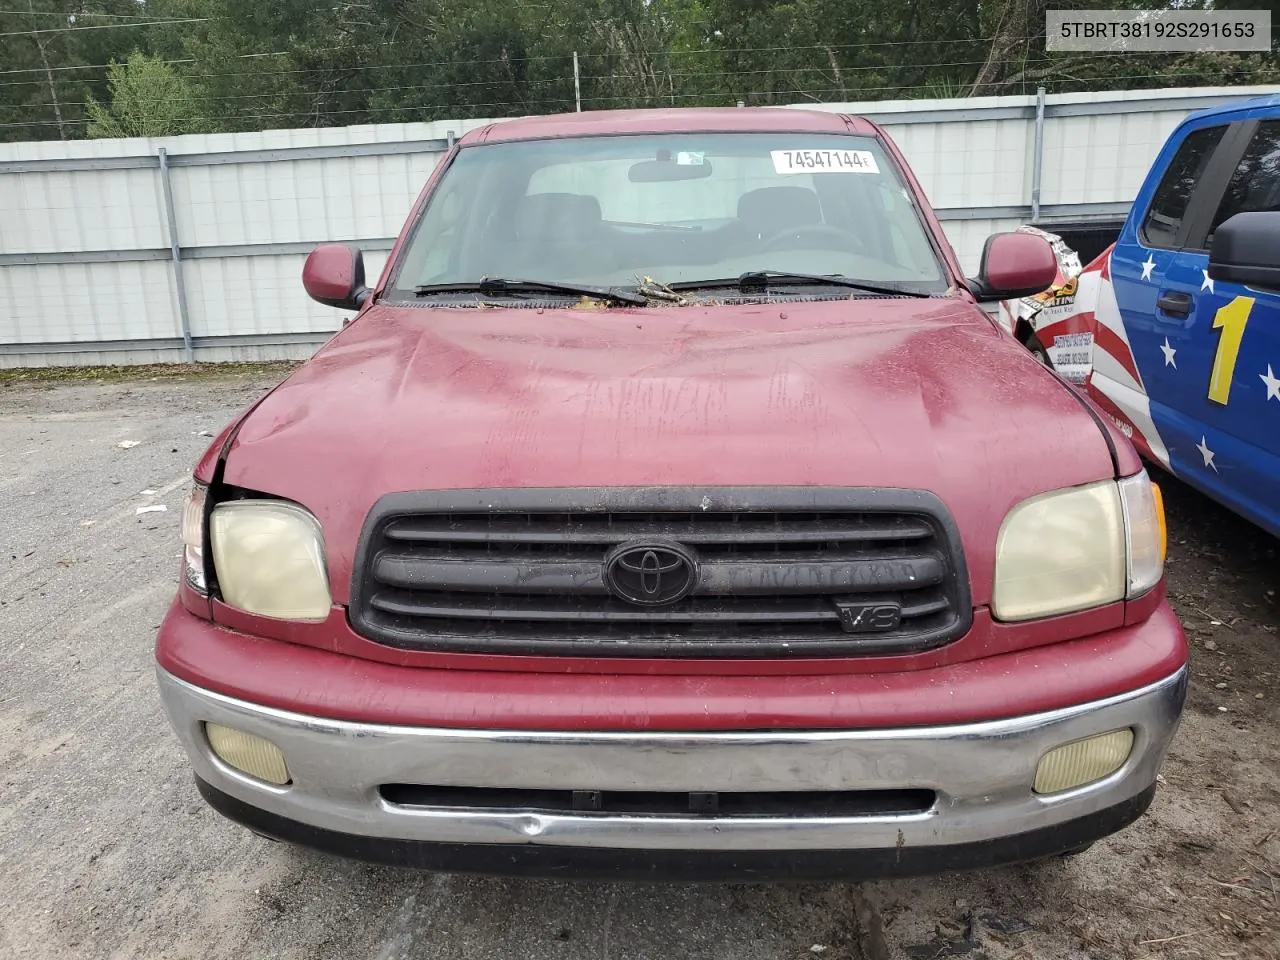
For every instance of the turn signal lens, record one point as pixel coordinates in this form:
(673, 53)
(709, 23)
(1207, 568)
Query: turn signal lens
(249, 754)
(1145, 534)
(1085, 761)
(193, 538)
(1158, 497)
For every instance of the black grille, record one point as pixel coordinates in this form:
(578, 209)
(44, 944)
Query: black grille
(522, 571)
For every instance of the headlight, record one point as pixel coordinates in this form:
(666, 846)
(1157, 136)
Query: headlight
(193, 538)
(268, 556)
(1079, 548)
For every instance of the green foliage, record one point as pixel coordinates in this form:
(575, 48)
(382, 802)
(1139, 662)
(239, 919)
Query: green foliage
(249, 64)
(42, 85)
(146, 98)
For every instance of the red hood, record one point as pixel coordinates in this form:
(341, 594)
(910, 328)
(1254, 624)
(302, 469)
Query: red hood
(888, 393)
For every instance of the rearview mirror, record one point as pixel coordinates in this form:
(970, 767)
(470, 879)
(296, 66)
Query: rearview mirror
(1014, 265)
(683, 165)
(334, 275)
(1246, 250)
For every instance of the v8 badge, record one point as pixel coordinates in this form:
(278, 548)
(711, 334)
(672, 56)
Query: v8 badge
(868, 617)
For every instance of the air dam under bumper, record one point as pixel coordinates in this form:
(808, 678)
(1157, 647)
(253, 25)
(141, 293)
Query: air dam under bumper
(984, 812)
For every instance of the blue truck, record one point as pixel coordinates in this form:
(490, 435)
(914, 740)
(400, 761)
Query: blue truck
(1173, 330)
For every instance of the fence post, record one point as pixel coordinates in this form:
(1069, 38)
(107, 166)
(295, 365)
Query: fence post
(175, 254)
(577, 82)
(1037, 162)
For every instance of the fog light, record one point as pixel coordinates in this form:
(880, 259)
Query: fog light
(247, 753)
(1075, 764)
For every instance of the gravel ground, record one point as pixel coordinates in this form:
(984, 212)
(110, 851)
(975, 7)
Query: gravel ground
(106, 850)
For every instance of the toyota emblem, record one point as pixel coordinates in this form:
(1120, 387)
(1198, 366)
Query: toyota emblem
(651, 572)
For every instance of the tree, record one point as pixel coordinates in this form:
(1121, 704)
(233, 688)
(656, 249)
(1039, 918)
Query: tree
(252, 65)
(35, 51)
(287, 63)
(146, 98)
(52, 56)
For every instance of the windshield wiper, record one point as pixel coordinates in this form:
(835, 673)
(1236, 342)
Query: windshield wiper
(765, 279)
(496, 287)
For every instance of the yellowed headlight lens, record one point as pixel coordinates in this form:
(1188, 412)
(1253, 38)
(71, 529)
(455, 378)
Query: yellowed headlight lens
(269, 559)
(1060, 552)
(1084, 761)
(248, 753)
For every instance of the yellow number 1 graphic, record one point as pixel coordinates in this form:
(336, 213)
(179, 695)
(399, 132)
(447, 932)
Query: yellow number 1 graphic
(1231, 320)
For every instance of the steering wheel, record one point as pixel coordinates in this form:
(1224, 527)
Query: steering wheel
(818, 230)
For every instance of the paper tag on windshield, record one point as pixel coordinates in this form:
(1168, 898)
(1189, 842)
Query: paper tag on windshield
(824, 161)
(690, 159)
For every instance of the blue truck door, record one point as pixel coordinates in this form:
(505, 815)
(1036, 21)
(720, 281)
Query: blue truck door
(1195, 340)
(1241, 391)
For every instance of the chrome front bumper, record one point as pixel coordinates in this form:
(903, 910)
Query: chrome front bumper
(981, 773)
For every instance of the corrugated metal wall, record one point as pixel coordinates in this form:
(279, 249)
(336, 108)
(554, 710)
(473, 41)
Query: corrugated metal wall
(88, 275)
(86, 267)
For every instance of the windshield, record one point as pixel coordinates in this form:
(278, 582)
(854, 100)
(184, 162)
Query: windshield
(678, 208)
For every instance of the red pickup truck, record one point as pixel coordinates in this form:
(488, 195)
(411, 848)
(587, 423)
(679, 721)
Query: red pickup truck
(659, 514)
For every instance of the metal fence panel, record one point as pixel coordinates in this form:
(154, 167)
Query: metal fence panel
(1103, 157)
(258, 295)
(973, 163)
(288, 201)
(45, 212)
(89, 270)
(85, 302)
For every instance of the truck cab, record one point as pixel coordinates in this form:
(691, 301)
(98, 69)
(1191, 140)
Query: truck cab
(1174, 330)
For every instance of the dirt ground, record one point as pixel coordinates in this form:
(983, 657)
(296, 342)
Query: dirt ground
(106, 850)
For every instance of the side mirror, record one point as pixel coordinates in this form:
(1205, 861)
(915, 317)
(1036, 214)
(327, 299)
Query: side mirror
(1014, 265)
(1246, 250)
(334, 275)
